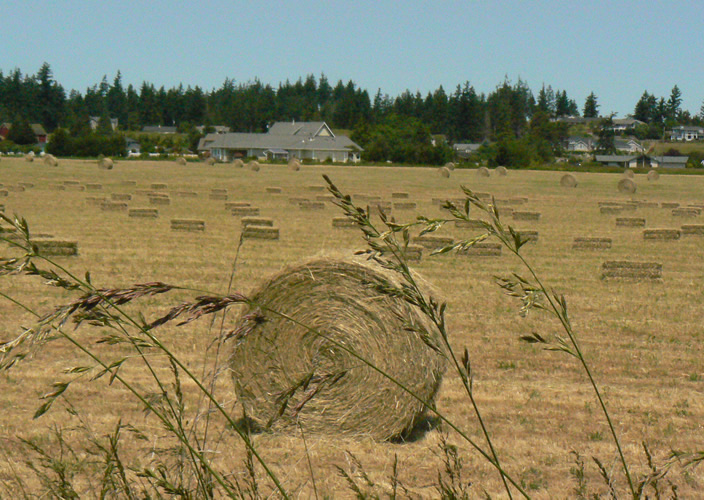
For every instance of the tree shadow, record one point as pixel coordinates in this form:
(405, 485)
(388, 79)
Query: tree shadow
(417, 433)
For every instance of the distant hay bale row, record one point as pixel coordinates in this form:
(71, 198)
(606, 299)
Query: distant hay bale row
(143, 192)
(669, 204)
(237, 204)
(143, 213)
(404, 205)
(511, 201)
(653, 175)
(340, 301)
(295, 200)
(626, 185)
(191, 225)
(55, 248)
(692, 230)
(591, 243)
(381, 205)
(244, 211)
(631, 270)
(611, 210)
(501, 171)
(483, 172)
(186, 194)
(260, 232)
(648, 204)
(399, 196)
(121, 197)
(343, 223)
(106, 163)
(568, 180)
(531, 216)
(94, 187)
(482, 249)
(71, 183)
(159, 186)
(51, 161)
(257, 221)
(630, 222)
(274, 190)
(432, 241)
(687, 212)
(15, 189)
(661, 234)
(311, 205)
(111, 206)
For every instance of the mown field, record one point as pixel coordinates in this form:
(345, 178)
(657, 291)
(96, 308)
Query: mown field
(644, 340)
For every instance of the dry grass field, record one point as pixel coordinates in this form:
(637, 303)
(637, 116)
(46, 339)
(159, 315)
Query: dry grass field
(644, 340)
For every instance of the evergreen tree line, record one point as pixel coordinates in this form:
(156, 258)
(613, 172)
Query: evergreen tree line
(380, 124)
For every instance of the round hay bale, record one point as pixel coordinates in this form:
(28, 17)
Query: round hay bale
(626, 185)
(483, 172)
(501, 171)
(294, 165)
(445, 172)
(568, 180)
(181, 161)
(29, 158)
(238, 163)
(286, 374)
(653, 175)
(50, 160)
(210, 161)
(628, 173)
(253, 165)
(450, 165)
(106, 163)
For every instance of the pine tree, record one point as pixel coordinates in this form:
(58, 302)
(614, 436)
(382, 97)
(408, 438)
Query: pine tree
(591, 106)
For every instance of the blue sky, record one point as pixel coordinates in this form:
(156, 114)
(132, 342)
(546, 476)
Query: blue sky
(618, 49)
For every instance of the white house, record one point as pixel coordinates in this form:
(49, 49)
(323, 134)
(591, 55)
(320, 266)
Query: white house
(684, 133)
(302, 140)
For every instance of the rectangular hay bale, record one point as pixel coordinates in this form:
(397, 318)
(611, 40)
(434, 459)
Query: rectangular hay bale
(186, 194)
(692, 229)
(317, 188)
(56, 248)
(257, 221)
(631, 270)
(237, 204)
(159, 185)
(244, 211)
(110, 206)
(667, 204)
(432, 241)
(587, 243)
(187, 225)
(143, 213)
(94, 187)
(529, 236)
(405, 205)
(611, 210)
(218, 196)
(399, 196)
(413, 253)
(274, 190)
(311, 205)
(469, 224)
(260, 232)
(159, 200)
(661, 234)
(343, 223)
(686, 212)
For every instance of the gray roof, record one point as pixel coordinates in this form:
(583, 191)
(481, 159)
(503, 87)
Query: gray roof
(300, 128)
(159, 129)
(614, 158)
(38, 129)
(468, 146)
(671, 159)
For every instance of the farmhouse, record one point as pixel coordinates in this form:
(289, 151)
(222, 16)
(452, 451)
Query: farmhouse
(465, 150)
(683, 133)
(623, 124)
(623, 161)
(668, 161)
(285, 141)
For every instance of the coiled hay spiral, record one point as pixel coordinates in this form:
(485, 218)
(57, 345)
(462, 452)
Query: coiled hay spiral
(286, 374)
(626, 185)
(568, 180)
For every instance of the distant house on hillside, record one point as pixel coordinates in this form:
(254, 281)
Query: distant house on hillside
(684, 133)
(623, 124)
(218, 129)
(465, 150)
(158, 129)
(628, 146)
(94, 120)
(132, 147)
(575, 120)
(577, 144)
(284, 141)
(39, 133)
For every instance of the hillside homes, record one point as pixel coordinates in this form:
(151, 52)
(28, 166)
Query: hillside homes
(283, 141)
